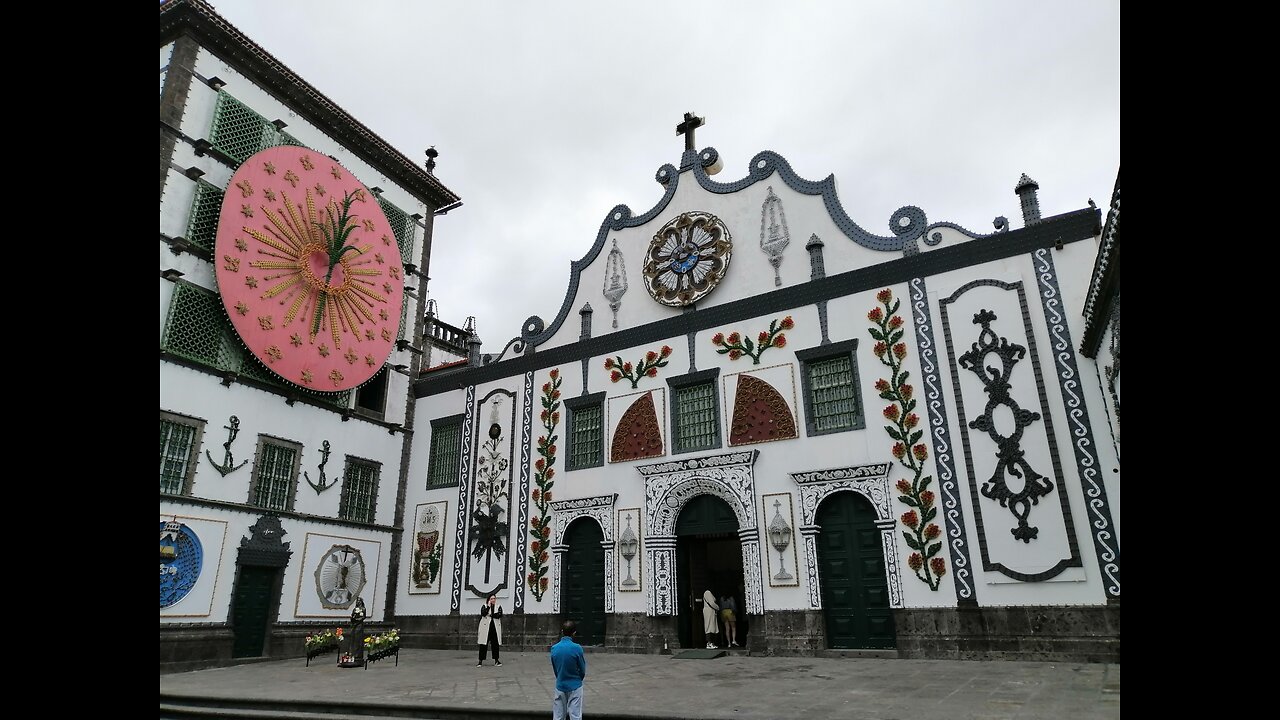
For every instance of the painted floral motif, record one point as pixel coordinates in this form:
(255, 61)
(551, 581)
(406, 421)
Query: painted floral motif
(544, 471)
(489, 526)
(922, 534)
(735, 345)
(648, 366)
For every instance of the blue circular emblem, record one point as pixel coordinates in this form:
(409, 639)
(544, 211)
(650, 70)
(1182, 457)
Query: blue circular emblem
(180, 559)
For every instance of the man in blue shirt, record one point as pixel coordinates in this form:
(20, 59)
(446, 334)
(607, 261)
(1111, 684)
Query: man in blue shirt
(570, 665)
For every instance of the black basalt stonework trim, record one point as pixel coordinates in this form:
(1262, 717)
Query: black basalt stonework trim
(1065, 229)
(940, 439)
(255, 510)
(1087, 465)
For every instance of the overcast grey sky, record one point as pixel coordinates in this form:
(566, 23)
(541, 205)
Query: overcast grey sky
(547, 114)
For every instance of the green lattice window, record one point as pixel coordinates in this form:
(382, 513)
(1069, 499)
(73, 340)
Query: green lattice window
(697, 421)
(202, 228)
(359, 489)
(179, 445)
(831, 388)
(446, 452)
(586, 447)
(240, 132)
(403, 226)
(275, 474)
(198, 330)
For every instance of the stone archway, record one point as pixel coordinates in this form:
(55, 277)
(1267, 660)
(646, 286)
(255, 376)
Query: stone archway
(870, 481)
(667, 487)
(564, 512)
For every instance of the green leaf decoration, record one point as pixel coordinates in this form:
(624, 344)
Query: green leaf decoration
(911, 542)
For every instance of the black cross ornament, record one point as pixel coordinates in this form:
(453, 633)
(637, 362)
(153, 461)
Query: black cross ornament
(686, 128)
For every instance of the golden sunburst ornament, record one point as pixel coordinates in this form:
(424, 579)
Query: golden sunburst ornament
(316, 286)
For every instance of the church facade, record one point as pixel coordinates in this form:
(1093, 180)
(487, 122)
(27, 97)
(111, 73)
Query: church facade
(871, 441)
(294, 245)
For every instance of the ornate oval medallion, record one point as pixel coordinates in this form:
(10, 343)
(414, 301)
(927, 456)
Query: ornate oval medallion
(687, 258)
(308, 269)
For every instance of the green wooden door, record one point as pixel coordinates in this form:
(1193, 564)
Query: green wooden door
(582, 599)
(855, 594)
(251, 614)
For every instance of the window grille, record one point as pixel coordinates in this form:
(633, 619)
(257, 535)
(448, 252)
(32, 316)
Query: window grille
(202, 227)
(445, 453)
(276, 473)
(240, 132)
(832, 399)
(176, 445)
(359, 486)
(696, 417)
(585, 448)
(403, 226)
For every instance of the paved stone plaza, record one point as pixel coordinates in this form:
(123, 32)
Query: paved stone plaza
(657, 686)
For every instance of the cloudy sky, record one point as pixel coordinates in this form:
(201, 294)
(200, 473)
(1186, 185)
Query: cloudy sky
(547, 114)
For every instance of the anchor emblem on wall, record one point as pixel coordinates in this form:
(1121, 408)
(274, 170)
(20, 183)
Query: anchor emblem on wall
(228, 465)
(324, 460)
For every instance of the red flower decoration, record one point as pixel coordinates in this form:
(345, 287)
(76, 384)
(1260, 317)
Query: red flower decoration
(905, 391)
(895, 322)
(780, 341)
(555, 373)
(717, 339)
(652, 372)
(903, 486)
(932, 531)
(910, 519)
(920, 451)
(650, 356)
(899, 450)
(939, 566)
(911, 421)
(788, 323)
(891, 413)
(876, 315)
(763, 337)
(926, 498)
(900, 350)
(915, 562)
(666, 351)
(884, 296)
(879, 349)
(882, 385)
(608, 364)
(615, 376)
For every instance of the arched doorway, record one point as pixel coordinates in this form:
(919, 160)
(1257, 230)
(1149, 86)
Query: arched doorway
(855, 593)
(708, 556)
(582, 597)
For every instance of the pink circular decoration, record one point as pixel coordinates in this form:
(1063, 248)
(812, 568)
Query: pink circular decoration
(309, 269)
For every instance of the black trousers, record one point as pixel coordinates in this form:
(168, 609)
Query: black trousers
(493, 640)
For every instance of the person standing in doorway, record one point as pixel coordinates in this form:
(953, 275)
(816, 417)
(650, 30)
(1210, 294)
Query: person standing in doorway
(570, 665)
(728, 613)
(710, 609)
(490, 632)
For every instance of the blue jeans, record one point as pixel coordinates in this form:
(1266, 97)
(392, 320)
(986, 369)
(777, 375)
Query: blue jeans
(567, 705)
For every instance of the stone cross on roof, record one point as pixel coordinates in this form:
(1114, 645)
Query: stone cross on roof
(686, 128)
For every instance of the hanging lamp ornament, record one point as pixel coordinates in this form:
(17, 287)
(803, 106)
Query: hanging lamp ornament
(774, 235)
(780, 538)
(615, 280)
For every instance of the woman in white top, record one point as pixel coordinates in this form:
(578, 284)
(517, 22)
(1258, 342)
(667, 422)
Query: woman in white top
(709, 611)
